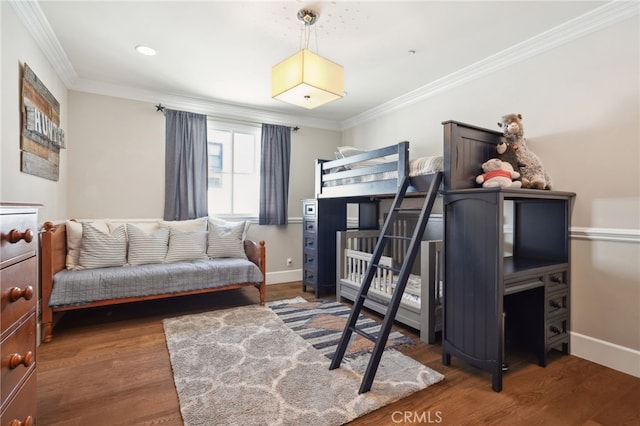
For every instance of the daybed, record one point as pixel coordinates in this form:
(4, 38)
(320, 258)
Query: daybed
(73, 276)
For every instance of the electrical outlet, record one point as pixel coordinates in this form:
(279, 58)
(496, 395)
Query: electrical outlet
(289, 262)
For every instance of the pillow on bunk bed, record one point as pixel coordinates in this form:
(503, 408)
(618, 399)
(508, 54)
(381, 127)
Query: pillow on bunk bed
(426, 165)
(349, 151)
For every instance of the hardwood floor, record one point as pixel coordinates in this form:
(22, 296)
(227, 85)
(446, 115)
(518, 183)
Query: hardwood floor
(110, 366)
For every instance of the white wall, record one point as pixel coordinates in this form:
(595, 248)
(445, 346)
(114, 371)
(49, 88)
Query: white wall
(18, 47)
(116, 170)
(116, 158)
(581, 108)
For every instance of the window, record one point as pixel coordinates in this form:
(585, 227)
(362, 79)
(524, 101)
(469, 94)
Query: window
(234, 169)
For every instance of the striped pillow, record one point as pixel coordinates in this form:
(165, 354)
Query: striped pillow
(185, 245)
(226, 240)
(147, 248)
(101, 249)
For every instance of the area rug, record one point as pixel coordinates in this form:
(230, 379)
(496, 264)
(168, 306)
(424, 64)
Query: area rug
(321, 324)
(245, 366)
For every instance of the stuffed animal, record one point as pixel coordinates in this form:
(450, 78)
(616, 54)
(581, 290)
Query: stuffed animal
(498, 173)
(508, 154)
(531, 168)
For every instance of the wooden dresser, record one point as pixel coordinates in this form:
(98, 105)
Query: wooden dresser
(18, 279)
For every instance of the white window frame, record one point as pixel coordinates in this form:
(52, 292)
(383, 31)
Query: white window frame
(234, 127)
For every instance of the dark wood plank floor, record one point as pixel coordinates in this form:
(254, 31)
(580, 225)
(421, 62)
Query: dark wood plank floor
(110, 366)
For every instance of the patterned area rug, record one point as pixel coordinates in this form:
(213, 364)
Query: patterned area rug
(244, 366)
(321, 324)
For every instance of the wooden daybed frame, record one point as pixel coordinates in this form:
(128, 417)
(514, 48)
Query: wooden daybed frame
(53, 254)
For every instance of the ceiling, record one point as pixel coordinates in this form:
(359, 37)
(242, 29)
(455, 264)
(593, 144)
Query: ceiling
(221, 52)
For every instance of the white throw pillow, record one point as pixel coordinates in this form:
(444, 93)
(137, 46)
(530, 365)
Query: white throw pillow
(148, 226)
(221, 222)
(146, 247)
(189, 225)
(102, 249)
(74, 236)
(226, 240)
(185, 245)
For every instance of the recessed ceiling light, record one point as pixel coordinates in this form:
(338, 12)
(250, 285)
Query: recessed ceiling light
(146, 50)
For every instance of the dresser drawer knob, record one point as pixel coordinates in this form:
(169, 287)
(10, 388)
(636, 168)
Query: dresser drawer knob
(16, 293)
(28, 421)
(15, 236)
(16, 359)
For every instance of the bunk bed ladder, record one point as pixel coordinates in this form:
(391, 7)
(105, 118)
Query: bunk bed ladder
(380, 339)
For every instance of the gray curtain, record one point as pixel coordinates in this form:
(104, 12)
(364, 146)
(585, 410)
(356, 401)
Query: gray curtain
(274, 174)
(186, 169)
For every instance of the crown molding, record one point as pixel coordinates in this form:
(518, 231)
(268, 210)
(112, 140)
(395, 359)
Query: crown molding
(594, 20)
(202, 106)
(37, 24)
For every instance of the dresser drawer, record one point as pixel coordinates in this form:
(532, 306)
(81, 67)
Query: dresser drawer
(309, 242)
(557, 305)
(19, 236)
(18, 284)
(309, 208)
(16, 350)
(22, 407)
(558, 281)
(309, 277)
(309, 226)
(557, 331)
(309, 260)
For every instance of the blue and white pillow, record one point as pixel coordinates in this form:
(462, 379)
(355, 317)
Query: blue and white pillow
(226, 240)
(102, 249)
(186, 245)
(147, 248)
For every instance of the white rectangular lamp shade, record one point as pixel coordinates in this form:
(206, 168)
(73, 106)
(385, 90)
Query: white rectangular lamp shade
(307, 80)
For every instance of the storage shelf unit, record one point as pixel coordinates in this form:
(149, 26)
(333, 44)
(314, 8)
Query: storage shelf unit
(483, 287)
(321, 218)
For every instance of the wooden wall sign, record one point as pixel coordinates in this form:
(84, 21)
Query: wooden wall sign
(42, 138)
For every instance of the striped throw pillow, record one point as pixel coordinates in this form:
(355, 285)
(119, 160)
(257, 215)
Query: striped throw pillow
(147, 248)
(101, 249)
(185, 245)
(226, 240)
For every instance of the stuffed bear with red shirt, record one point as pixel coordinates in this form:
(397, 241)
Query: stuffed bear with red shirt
(498, 173)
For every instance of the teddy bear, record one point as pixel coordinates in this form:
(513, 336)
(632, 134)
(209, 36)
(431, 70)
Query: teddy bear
(507, 153)
(531, 168)
(498, 173)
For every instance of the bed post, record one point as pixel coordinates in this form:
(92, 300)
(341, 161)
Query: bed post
(403, 161)
(52, 259)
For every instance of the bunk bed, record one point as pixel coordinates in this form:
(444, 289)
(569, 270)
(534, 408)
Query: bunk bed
(378, 174)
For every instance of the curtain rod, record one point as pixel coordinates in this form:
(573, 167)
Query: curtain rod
(161, 108)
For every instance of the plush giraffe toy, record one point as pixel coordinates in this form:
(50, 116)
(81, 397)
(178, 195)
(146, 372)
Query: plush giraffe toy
(532, 171)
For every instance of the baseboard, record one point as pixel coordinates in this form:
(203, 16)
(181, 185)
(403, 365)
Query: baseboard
(605, 353)
(288, 276)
